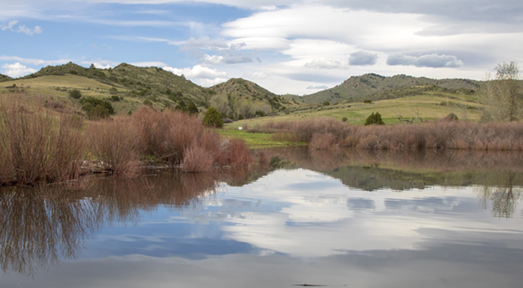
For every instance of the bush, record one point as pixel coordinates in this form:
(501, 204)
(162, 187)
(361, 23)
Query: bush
(213, 118)
(344, 119)
(374, 119)
(147, 102)
(114, 142)
(96, 108)
(75, 94)
(367, 101)
(452, 116)
(326, 103)
(192, 108)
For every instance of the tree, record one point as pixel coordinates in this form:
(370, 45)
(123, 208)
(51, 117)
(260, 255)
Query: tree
(374, 119)
(502, 96)
(213, 118)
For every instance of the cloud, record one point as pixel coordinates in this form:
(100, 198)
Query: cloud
(320, 87)
(325, 63)
(148, 64)
(9, 25)
(204, 76)
(363, 58)
(35, 62)
(432, 60)
(16, 70)
(21, 28)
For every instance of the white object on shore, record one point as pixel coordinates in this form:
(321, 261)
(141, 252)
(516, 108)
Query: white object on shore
(239, 128)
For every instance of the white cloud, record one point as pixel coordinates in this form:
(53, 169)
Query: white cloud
(201, 75)
(21, 28)
(148, 64)
(36, 62)
(16, 70)
(9, 25)
(325, 63)
(432, 60)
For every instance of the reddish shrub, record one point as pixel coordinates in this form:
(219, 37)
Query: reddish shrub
(115, 144)
(197, 159)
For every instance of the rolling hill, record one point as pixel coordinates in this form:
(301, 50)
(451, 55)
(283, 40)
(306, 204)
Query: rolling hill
(357, 87)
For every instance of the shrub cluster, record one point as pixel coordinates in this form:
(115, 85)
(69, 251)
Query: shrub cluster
(96, 108)
(443, 134)
(37, 144)
(42, 145)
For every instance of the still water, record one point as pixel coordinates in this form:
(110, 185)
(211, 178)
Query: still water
(338, 220)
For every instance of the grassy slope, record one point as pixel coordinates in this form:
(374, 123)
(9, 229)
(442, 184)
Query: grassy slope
(428, 106)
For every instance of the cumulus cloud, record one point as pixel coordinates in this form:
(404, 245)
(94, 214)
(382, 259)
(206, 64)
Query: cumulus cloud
(16, 70)
(363, 58)
(430, 60)
(325, 63)
(204, 76)
(21, 28)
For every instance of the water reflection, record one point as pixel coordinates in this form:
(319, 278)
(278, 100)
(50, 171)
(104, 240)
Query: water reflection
(347, 211)
(39, 225)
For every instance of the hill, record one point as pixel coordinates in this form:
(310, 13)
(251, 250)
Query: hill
(129, 87)
(152, 83)
(5, 78)
(357, 87)
(242, 97)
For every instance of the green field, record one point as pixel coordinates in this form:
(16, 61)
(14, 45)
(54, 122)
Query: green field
(426, 107)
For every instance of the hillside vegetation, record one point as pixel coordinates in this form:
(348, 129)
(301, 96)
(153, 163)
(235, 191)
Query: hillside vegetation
(4, 78)
(135, 86)
(357, 87)
(129, 87)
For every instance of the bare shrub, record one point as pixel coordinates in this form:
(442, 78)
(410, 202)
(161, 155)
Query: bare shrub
(323, 141)
(197, 159)
(114, 143)
(440, 134)
(239, 154)
(38, 144)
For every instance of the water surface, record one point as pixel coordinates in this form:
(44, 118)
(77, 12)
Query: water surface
(341, 220)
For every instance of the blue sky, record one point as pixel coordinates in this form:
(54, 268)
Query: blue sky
(297, 47)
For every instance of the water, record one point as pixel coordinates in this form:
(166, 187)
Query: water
(341, 220)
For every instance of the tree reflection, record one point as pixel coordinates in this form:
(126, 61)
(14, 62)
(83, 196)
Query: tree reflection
(501, 191)
(41, 225)
(37, 225)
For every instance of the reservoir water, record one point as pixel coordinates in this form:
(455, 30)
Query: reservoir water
(305, 218)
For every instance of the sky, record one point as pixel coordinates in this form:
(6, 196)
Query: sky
(297, 47)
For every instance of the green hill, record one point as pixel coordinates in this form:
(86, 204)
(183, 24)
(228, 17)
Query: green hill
(357, 87)
(152, 83)
(251, 99)
(5, 78)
